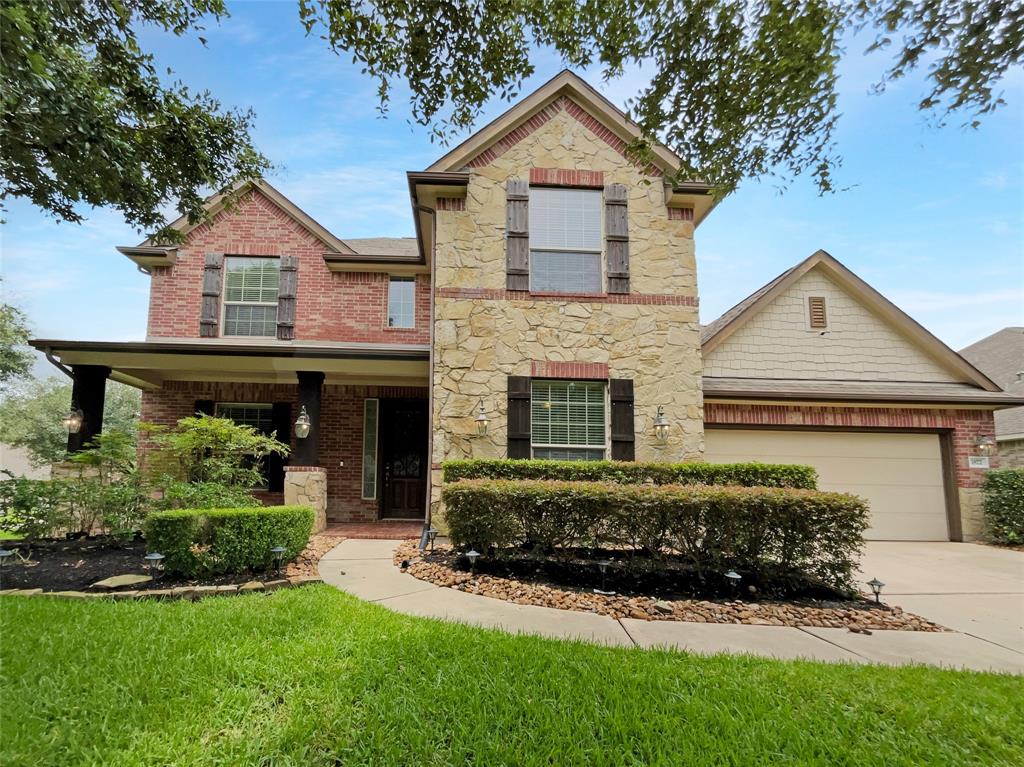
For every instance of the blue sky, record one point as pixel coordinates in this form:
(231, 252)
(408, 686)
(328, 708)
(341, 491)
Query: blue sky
(934, 218)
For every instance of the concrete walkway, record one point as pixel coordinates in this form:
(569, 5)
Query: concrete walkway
(364, 568)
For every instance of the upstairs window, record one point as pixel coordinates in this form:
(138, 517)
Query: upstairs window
(402, 302)
(567, 420)
(565, 240)
(250, 296)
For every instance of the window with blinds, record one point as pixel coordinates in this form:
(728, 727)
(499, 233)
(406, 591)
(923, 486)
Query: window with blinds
(565, 240)
(568, 420)
(250, 296)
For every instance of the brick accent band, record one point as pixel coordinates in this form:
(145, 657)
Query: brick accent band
(566, 177)
(680, 214)
(573, 370)
(497, 294)
(451, 203)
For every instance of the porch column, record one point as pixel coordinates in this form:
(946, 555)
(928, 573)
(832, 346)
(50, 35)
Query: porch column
(307, 451)
(88, 390)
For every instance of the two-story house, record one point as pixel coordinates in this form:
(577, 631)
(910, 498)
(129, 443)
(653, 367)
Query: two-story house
(547, 307)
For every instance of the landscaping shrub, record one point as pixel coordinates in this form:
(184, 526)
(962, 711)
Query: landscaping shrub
(203, 495)
(1004, 505)
(34, 508)
(775, 533)
(632, 473)
(199, 542)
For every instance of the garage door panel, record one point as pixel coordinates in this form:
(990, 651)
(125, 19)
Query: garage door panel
(900, 475)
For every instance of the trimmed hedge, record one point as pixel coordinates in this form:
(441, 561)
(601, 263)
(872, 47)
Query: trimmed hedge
(772, 532)
(215, 541)
(632, 473)
(1004, 505)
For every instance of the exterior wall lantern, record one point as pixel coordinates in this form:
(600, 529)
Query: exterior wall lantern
(302, 424)
(985, 445)
(73, 420)
(481, 421)
(661, 425)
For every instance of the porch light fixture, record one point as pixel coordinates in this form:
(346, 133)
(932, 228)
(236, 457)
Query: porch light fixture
(472, 555)
(602, 565)
(278, 552)
(73, 420)
(985, 445)
(876, 587)
(661, 425)
(154, 561)
(481, 420)
(302, 424)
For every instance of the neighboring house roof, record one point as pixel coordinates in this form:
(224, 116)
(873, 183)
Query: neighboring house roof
(397, 247)
(216, 202)
(1001, 356)
(715, 333)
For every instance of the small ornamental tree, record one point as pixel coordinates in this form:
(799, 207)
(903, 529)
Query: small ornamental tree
(207, 462)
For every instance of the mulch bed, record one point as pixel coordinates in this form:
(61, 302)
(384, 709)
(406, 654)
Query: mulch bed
(445, 567)
(74, 565)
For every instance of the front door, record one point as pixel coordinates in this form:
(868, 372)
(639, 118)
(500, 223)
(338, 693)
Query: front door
(403, 445)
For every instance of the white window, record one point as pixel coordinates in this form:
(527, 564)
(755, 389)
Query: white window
(370, 411)
(250, 296)
(402, 302)
(567, 420)
(565, 240)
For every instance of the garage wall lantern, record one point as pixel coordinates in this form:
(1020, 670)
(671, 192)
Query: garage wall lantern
(302, 424)
(661, 425)
(985, 445)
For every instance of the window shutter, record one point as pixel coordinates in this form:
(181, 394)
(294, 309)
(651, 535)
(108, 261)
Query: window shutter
(620, 392)
(286, 293)
(518, 417)
(204, 407)
(209, 315)
(281, 415)
(616, 235)
(517, 234)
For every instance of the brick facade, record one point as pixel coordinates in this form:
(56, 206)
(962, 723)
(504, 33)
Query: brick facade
(341, 430)
(964, 425)
(343, 306)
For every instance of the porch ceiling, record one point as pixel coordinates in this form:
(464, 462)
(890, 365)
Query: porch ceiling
(148, 364)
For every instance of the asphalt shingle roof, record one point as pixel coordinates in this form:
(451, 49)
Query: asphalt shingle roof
(1000, 356)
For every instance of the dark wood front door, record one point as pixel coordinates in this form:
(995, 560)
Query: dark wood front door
(404, 467)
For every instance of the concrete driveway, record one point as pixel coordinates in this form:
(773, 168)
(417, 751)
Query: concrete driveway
(974, 589)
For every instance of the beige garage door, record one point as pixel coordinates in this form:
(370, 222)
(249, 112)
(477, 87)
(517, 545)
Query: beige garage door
(900, 475)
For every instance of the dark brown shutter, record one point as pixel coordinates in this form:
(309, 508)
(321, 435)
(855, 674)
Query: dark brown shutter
(616, 235)
(281, 417)
(518, 417)
(517, 234)
(209, 315)
(204, 407)
(286, 291)
(620, 392)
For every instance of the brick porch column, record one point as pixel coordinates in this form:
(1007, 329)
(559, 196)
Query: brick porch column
(307, 486)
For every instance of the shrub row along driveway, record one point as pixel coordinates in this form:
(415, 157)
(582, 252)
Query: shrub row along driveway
(967, 587)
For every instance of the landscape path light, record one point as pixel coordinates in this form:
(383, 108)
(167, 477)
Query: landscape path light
(472, 555)
(278, 552)
(734, 579)
(5, 554)
(431, 537)
(154, 561)
(876, 588)
(603, 565)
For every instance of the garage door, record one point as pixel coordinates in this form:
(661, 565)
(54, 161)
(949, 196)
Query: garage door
(900, 475)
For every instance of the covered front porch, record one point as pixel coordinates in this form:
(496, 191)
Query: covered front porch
(366, 448)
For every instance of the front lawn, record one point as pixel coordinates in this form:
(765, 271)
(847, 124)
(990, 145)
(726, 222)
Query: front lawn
(313, 677)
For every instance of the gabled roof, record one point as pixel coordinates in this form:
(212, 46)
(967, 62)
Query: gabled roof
(215, 203)
(567, 84)
(715, 333)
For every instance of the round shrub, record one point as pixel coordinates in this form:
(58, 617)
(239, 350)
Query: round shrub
(633, 473)
(198, 542)
(1004, 505)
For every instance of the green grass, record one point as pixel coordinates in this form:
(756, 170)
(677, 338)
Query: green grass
(7, 536)
(314, 677)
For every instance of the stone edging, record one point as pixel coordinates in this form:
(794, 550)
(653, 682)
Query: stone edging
(191, 593)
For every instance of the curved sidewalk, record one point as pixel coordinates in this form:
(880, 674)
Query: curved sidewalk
(364, 568)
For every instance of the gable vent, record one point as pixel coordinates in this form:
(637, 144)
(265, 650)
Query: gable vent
(816, 308)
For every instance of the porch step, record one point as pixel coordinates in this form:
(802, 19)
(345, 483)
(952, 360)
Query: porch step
(384, 529)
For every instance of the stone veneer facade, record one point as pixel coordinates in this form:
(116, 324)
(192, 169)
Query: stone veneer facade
(484, 333)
